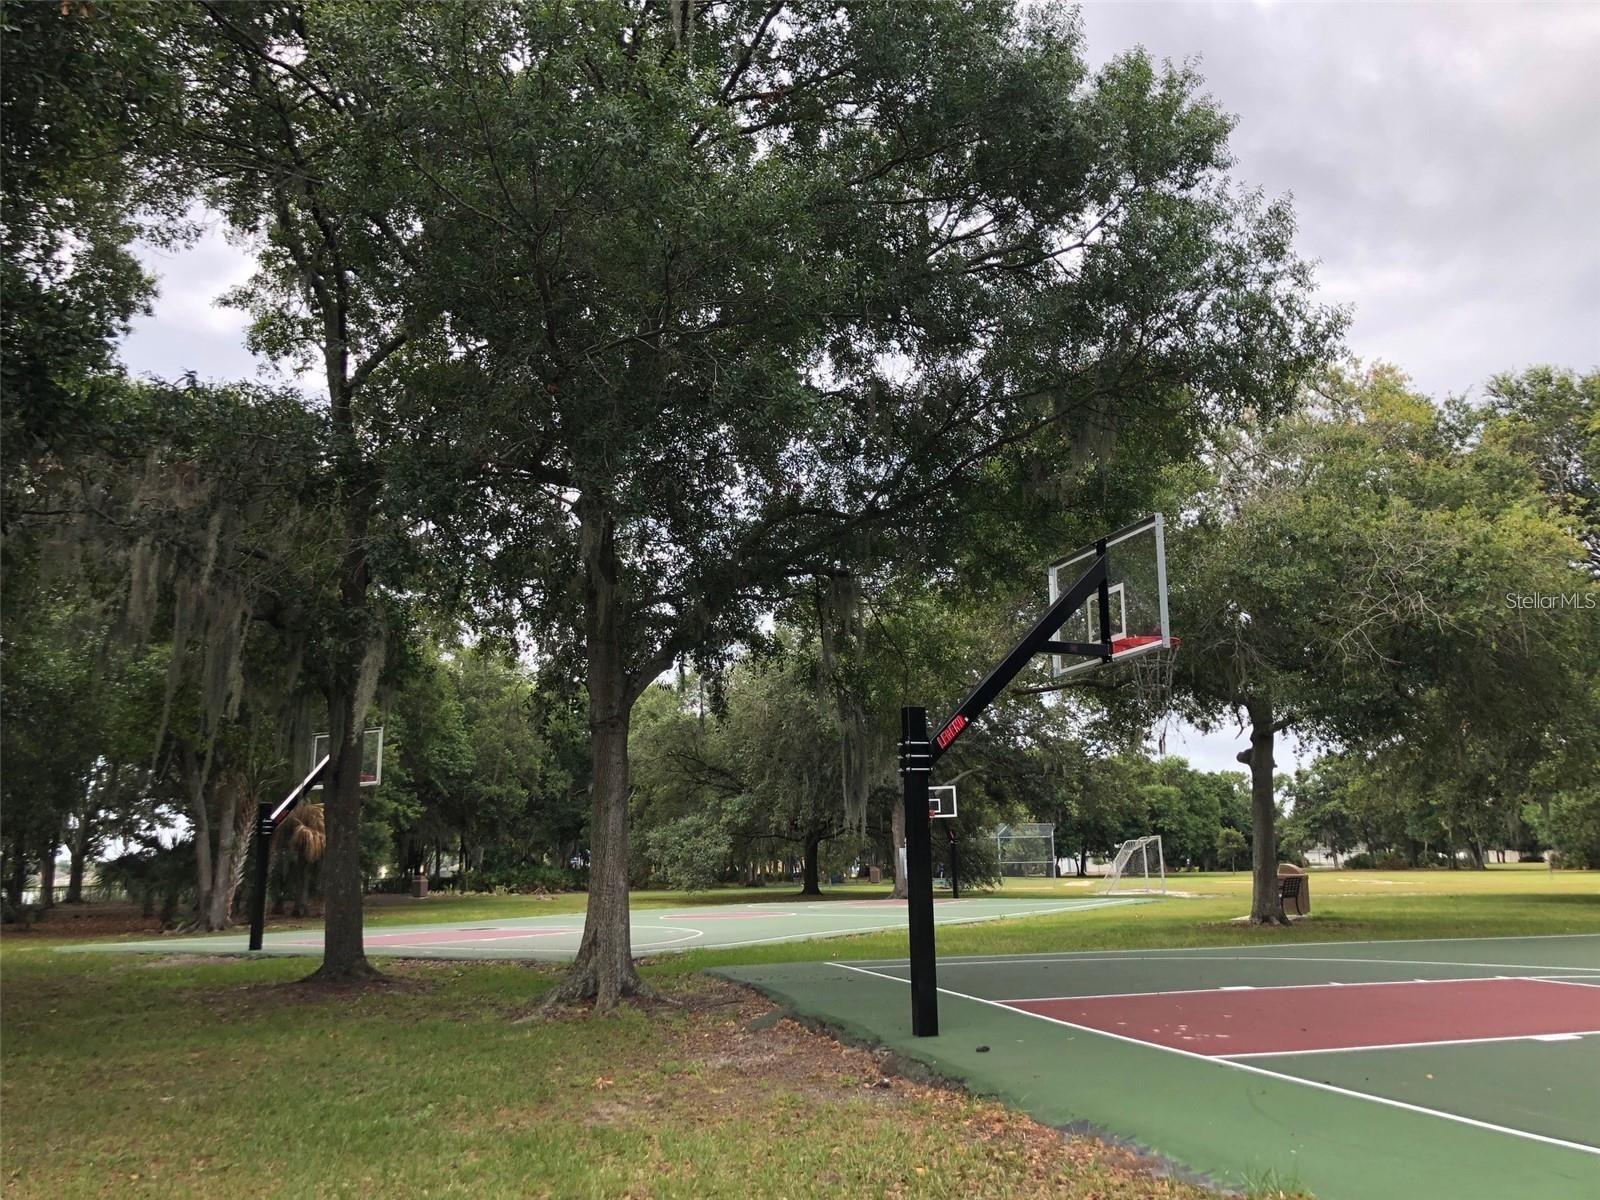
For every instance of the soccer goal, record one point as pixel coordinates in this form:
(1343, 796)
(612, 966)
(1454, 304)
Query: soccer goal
(1138, 867)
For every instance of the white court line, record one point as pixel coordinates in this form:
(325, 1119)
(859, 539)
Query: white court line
(1588, 981)
(1552, 968)
(1062, 904)
(850, 930)
(467, 942)
(687, 929)
(1094, 955)
(1515, 1037)
(1255, 1070)
(1276, 987)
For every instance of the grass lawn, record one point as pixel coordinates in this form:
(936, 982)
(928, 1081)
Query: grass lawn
(170, 1077)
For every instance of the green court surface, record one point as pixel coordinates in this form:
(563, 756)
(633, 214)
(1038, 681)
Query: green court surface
(1444, 1068)
(654, 930)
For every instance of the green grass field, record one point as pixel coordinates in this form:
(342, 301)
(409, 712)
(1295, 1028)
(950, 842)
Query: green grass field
(170, 1077)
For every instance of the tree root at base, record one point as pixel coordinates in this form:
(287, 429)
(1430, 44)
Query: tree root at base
(583, 984)
(354, 975)
(1271, 919)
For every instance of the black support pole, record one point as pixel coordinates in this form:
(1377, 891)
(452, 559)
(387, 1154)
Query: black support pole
(955, 866)
(915, 764)
(267, 819)
(258, 902)
(1103, 594)
(918, 754)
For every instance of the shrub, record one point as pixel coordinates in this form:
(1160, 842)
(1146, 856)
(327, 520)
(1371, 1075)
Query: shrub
(979, 859)
(690, 852)
(527, 877)
(1571, 826)
(1361, 862)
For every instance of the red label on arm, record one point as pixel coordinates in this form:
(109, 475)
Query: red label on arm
(948, 733)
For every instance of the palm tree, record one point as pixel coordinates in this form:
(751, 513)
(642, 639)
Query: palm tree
(303, 834)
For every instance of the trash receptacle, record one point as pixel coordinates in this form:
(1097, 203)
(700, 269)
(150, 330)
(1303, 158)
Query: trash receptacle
(875, 875)
(419, 886)
(1294, 889)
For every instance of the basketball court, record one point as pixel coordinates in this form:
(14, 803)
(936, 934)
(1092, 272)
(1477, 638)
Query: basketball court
(654, 930)
(1441, 1068)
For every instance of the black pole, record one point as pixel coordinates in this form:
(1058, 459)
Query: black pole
(258, 902)
(267, 819)
(1103, 590)
(917, 755)
(915, 764)
(955, 866)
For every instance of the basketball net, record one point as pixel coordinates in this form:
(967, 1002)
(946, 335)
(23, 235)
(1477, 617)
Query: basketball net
(1152, 685)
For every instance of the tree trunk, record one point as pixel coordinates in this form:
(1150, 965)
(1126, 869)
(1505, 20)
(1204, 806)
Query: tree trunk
(812, 885)
(80, 856)
(204, 872)
(603, 969)
(214, 908)
(83, 835)
(78, 847)
(1266, 905)
(897, 840)
(47, 875)
(344, 956)
(18, 879)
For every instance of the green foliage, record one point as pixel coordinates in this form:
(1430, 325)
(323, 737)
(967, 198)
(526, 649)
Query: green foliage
(1549, 419)
(691, 852)
(152, 871)
(759, 762)
(1230, 845)
(755, 311)
(1355, 573)
(977, 856)
(530, 878)
(83, 90)
(1570, 824)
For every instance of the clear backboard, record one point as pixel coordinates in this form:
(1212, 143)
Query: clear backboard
(1136, 579)
(371, 756)
(942, 802)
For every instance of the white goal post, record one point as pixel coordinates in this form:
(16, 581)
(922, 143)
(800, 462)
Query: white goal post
(1138, 867)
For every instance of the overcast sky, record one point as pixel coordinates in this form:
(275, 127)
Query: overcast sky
(1444, 161)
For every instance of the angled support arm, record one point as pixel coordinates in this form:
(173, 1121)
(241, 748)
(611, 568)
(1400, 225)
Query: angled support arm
(1037, 640)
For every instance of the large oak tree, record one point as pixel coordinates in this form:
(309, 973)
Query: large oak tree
(1346, 573)
(737, 293)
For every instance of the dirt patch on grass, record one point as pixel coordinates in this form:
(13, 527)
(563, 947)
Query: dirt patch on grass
(158, 962)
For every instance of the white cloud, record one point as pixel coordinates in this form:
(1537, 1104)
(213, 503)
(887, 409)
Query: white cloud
(188, 330)
(1444, 160)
